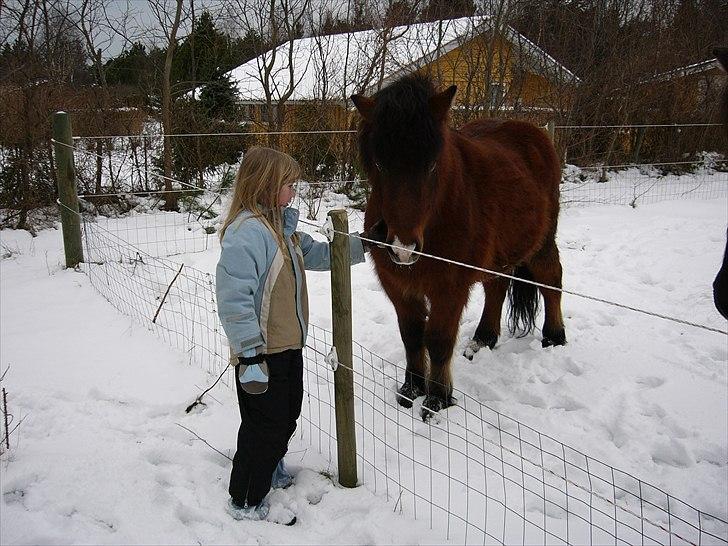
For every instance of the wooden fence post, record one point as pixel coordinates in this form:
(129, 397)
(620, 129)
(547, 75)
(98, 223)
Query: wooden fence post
(343, 376)
(66, 182)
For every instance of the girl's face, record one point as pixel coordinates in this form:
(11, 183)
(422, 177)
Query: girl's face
(286, 194)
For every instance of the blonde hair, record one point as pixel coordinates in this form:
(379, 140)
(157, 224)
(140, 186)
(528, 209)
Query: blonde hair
(262, 174)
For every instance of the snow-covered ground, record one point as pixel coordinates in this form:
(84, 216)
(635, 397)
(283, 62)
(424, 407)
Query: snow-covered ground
(100, 458)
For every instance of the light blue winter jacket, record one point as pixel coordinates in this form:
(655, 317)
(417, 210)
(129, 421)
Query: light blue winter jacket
(262, 300)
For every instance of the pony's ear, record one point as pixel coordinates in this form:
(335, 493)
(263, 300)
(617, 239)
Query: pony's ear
(365, 105)
(440, 103)
(721, 53)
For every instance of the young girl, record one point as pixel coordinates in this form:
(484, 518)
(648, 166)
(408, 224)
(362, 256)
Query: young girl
(263, 307)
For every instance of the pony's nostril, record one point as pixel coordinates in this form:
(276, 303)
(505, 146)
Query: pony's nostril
(403, 253)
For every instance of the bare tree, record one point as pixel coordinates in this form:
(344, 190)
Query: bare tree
(169, 24)
(280, 64)
(38, 72)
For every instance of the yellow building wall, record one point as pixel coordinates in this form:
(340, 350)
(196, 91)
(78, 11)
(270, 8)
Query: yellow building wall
(466, 66)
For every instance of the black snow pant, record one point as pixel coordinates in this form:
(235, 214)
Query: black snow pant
(268, 421)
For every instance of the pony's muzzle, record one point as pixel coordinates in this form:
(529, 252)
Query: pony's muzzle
(402, 254)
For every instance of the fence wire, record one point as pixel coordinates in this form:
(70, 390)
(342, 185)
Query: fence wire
(644, 184)
(474, 474)
(328, 157)
(484, 478)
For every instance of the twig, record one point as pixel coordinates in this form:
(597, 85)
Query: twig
(204, 441)
(5, 373)
(5, 415)
(208, 208)
(167, 293)
(198, 400)
(6, 438)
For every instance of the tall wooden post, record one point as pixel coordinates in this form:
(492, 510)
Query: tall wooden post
(66, 181)
(343, 376)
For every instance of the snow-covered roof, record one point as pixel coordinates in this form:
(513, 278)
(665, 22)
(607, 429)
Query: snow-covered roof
(339, 65)
(695, 68)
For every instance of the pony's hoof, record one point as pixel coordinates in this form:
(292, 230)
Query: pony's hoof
(475, 344)
(434, 403)
(471, 348)
(551, 339)
(407, 394)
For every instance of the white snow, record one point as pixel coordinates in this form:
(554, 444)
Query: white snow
(99, 456)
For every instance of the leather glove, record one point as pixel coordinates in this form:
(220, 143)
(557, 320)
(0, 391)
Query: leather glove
(253, 374)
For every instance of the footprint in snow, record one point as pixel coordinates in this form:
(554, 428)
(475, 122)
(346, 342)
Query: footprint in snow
(532, 399)
(650, 382)
(672, 452)
(569, 365)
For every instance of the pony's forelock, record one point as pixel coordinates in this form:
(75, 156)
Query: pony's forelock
(403, 133)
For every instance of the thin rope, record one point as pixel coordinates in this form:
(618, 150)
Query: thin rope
(534, 283)
(352, 131)
(124, 193)
(191, 186)
(650, 164)
(182, 135)
(637, 126)
(93, 154)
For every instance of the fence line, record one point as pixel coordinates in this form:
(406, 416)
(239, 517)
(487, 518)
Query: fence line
(353, 131)
(596, 184)
(158, 175)
(259, 133)
(638, 126)
(483, 270)
(476, 268)
(457, 429)
(473, 473)
(527, 281)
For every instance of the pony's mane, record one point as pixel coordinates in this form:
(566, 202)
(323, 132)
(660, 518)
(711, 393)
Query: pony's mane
(404, 134)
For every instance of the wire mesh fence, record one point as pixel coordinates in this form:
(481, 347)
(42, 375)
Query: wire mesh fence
(159, 234)
(474, 474)
(132, 163)
(484, 478)
(644, 184)
(174, 301)
(327, 160)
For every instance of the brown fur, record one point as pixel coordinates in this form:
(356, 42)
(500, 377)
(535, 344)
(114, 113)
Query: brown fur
(493, 203)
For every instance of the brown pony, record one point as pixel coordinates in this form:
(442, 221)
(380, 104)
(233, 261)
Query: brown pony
(486, 195)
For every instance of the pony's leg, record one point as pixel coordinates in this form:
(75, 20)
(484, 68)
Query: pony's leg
(488, 330)
(412, 315)
(545, 267)
(440, 335)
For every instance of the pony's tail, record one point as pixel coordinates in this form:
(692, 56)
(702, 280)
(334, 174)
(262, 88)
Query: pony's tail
(523, 300)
